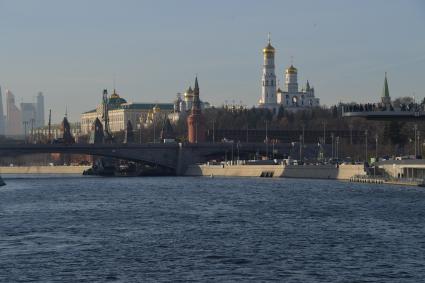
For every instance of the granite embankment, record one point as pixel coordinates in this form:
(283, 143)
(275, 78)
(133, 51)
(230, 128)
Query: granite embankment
(341, 172)
(43, 169)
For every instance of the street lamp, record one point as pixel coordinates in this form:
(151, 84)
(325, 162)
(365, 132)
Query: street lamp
(365, 133)
(233, 158)
(303, 127)
(376, 147)
(267, 141)
(415, 128)
(32, 130)
(154, 129)
(237, 147)
(213, 136)
(376, 154)
(301, 148)
(139, 126)
(337, 148)
(324, 132)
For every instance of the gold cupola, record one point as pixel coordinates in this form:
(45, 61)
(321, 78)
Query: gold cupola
(189, 93)
(269, 49)
(291, 70)
(156, 109)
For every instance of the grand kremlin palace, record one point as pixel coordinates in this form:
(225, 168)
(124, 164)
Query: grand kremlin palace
(120, 112)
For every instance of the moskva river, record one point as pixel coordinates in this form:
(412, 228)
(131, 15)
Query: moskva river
(168, 229)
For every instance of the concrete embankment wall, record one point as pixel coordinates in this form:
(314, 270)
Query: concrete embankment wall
(343, 172)
(43, 169)
(234, 170)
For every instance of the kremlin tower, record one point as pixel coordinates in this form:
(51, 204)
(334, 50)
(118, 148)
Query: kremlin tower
(195, 121)
(268, 90)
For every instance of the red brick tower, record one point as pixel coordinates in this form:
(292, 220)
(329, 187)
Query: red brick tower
(195, 121)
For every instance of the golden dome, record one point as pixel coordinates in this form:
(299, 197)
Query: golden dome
(156, 109)
(189, 92)
(115, 95)
(291, 70)
(269, 49)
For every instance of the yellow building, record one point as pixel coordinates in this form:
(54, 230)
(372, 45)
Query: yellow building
(120, 112)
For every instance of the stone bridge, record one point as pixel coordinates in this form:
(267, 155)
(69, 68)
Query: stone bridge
(386, 115)
(175, 156)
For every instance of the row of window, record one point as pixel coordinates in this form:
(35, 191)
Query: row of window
(295, 101)
(266, 83)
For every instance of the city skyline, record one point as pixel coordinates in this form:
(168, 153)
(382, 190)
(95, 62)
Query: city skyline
(72, 51)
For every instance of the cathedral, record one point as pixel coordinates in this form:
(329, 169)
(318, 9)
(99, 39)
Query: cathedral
(291, 98)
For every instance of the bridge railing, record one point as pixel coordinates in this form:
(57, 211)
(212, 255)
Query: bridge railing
(380, 107)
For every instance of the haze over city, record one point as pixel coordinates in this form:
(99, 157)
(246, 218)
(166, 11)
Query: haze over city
(212, 141)
(72, 50)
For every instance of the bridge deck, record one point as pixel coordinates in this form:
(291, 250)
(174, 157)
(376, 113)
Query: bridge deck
(386, 115)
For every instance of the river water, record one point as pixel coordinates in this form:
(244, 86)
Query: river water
(175, 229)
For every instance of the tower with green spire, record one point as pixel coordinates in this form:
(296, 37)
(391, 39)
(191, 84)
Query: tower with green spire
(386, 99)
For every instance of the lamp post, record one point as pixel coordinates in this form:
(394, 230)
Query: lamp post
(237, 147)
(32, 130)
(376, 147)
(267, 141)
(154, 129)
(365, 133)
(324, 132)
(415, 128)
(303, 132)
(301, 148)
(233, 158)
(213, 136)
(196, 132)
(376, 154)
(139, 127)
(337, 148)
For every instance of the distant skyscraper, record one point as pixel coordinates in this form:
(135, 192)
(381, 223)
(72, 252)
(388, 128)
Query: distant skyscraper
(2, 124)
(28, 116)
(13, 116)
(39, 119)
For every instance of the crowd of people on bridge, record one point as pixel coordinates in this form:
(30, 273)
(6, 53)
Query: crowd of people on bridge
(374, 107)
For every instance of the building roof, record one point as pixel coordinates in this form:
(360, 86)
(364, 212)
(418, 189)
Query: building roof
(139, 106)
(147, 106)
(90, 111)
(115, 99)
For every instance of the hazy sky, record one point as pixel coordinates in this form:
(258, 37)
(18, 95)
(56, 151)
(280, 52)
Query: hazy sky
(71, 50)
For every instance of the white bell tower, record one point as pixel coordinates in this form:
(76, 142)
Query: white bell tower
(268, 89)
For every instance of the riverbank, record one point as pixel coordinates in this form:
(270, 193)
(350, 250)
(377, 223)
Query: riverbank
(341, 172)
(43, 169)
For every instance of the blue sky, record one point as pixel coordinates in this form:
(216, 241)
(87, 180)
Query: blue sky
(71, 50)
